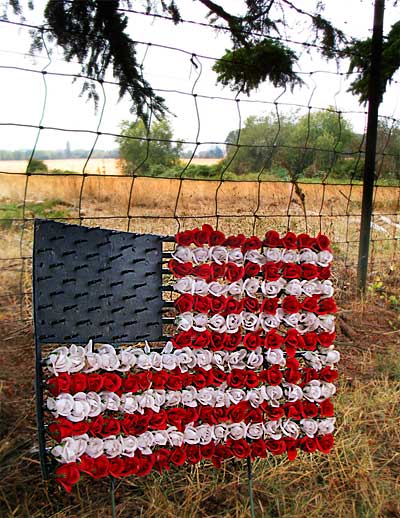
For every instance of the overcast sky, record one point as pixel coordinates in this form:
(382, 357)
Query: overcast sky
(23, 93)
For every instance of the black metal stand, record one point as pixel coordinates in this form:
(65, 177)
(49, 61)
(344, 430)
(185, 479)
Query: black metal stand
(250, 479)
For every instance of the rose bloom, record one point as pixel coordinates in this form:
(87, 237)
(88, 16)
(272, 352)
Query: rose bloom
(272, 239)
(273, 255)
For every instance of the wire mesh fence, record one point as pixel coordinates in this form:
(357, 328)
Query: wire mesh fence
(293, 160)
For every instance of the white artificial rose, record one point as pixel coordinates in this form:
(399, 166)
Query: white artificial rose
(327, 323)
(293, 287)
(200, 255)
(205, 396)
(251, 286)
(324, 258)
(217, 323)
(160, 437)
(273, 429)
(268, 321)
(311, 288)
(219, 254)
(145, 442)
(309, 427)
(290, 319)
(129, 446)
(292, 392)
(189, 397)
(182, 254)
(330, 357)
(127, 359)
(275, 357)
(184, 321)
(220, 432)
(129, 403)
(62, 405)
(184, 285)
(236, 359)
(95, 447)
(290, 429)
(93, 362)
(326, 288)
(235, 288)
(59, 361)
(327, 390)
(272, 288)
(77, 358)
(233, 321)
(144, 362)
(273, 255)
(313, 360)
(190, 435)
(200, 287)
(236, 256)
(96, 405)
(219, 359)
(255, 431)
(200, 322)
(109, 358)
(272, 394)
(235, 396)
(173, 398)
(307, 322)
(237, 430)
(307, 256)
(156, 361)
(326, 425)
(146, 400)
(159, 397)
(250, 321)
(217, 289)
(185, 358)
(64, 453)
(312, 391)
(204, 358)
(205, 433)
(81, 408)
(221, 398)
(255, 359)
(255, 397)
(290, 256)
(113, 446)
(254, 256)
(169, 361)
(175, 437)
(79, 444)
(111, 400)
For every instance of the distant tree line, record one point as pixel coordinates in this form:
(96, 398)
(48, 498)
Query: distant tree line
(54, 154)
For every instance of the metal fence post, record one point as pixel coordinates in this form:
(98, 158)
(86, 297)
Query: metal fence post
(374, 99)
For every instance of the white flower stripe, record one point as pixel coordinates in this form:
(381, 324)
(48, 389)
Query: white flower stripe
(303, 322)
(251, 286)
(82, 405)
(222, 254)
(72, 448)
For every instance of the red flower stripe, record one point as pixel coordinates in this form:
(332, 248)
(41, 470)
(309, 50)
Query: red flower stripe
(162, 459)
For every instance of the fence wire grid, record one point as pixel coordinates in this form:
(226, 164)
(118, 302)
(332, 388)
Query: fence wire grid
(277, 194)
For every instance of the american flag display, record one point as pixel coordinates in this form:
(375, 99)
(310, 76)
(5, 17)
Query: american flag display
(248, 372)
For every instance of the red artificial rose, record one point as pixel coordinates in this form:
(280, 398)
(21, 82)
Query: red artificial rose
(111, 382)
(326, 339)
(201, 270)
(207, 229)
(309, 271)
(292, 373)
(80, 428)
(174, 382)
(293, 341)
(207, 450)
(309, 374)
(68, 475)
(145, 464)
(233, 272)
(291, 445)
(272, 239)
(252, 340)
(130, 383)
(310, 341)
(58, 384)
(255, 415)
(223, 451)
(180, 269)
(235, 241)
(273, 340)
(86, 464)
(161, 459)
(240, 448)
(251, 304)
(325, 442)
(111, 426)
(323, 242)
(191, 415)
(184, 238)
(276, 446)
(328, 374)
(202, 340)
(233, 306)
(311, 304)
(324, 273)
(216, 271)
(236, 378)
(308, 444)
(326, 408)
(144, 380)
(251, 269)
(258, 449)
(221, 413)
(78, 383)
(294, 410)
(159, 379)
(219, 376)
(178, 456)
(232, 341)
(217, 238)
(310, 409)
(271, 271)
(291, 271)
(200, 380)
(60, 428)
(217, 304)
(116, 467)
(201, 304)
(175, 416)
(269, 306)
(327, 306)
(218, 341)
(201, 237)
(96, 425)
(251, 243)
(101, 467)
(94, 382)
(193, 453)
(206, 414)
(184, 303)
(274, 413)
(183, 339)
(273, 375)
(128, 424)
(252, 379)
(290, 241)
(305, 241)
(237, 413)
(290, 304)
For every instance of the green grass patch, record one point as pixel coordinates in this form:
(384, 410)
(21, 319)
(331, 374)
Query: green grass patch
(12, 213)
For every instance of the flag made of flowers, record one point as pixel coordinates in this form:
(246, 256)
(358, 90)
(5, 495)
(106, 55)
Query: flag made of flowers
(248, 372)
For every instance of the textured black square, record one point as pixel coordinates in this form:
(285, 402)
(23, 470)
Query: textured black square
(96, 283)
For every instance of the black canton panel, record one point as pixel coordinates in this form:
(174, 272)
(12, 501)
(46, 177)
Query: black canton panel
(96, 283)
